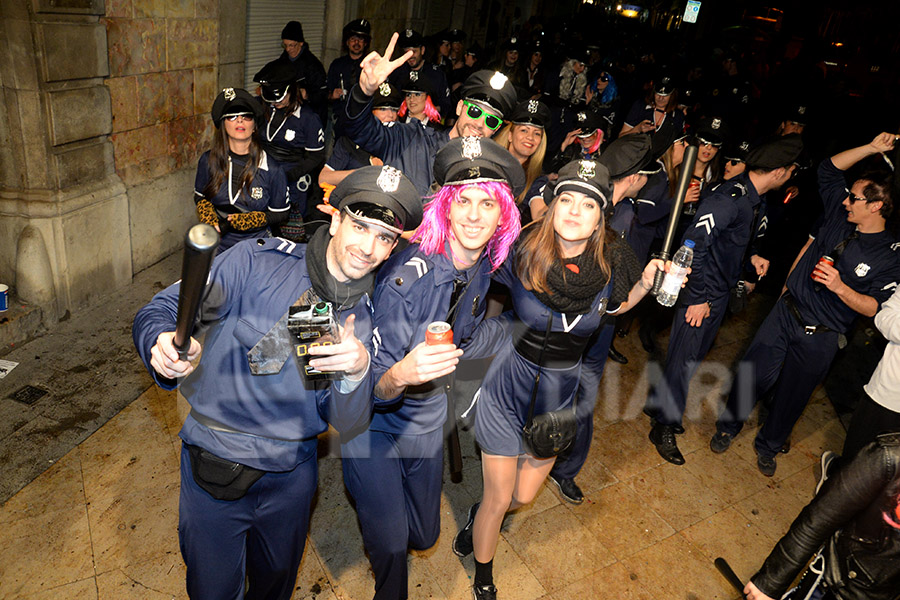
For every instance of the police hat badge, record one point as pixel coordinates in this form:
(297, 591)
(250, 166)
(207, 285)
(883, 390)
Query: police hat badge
(229, 94)
(389, 179)
(582, 117)
(532, 106)
(384, 89)
(498, 80)
(471, 147)
(716, 123)
(587, 169)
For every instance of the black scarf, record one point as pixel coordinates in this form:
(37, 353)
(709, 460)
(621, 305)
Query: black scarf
(340, 294)
(570, 292)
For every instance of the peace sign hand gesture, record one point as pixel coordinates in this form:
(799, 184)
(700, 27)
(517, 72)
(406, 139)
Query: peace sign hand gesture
(376, 68)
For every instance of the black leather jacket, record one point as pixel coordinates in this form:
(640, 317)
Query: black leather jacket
(862, 553)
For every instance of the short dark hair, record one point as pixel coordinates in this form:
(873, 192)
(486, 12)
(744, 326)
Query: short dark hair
(878, 189)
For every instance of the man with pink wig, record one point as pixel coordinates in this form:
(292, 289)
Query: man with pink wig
(393, 469)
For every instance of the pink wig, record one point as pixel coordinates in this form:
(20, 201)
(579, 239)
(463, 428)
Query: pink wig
(434, 231)
(431, 111)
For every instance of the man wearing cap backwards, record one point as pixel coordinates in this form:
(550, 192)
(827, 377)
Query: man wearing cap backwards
(629, 161)
(729, 220)
(310, 72)
(413, 43)
(248, 462)
(348, 156)
(803, 332)
(410, 147)
(393, 470)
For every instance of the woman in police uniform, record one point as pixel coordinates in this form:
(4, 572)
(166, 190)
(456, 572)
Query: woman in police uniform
(238, 189)
(570, 271)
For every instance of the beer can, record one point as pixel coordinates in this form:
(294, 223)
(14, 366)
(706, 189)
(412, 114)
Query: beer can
(438, 332)
(827, 260)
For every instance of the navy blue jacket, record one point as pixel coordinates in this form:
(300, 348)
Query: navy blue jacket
(250, 287)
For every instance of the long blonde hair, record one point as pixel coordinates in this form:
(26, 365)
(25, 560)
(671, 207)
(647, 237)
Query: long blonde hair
(534, 164)
(539, 251)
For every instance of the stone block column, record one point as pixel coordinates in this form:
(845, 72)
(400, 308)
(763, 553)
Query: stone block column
(57, 171)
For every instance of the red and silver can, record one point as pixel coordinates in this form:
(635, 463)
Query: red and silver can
(825, 260)
(438, 332)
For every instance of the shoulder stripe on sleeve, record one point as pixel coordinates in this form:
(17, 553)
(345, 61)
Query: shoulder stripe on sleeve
(707, 221)
(419, 264)
(287, 246)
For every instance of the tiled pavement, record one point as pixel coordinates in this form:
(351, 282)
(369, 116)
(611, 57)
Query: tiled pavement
(100, 523)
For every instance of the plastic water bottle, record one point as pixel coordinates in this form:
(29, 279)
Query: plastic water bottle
(668, 292)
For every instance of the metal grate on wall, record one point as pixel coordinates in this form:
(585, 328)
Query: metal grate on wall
(266, 19)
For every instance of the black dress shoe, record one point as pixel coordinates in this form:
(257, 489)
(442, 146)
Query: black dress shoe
(663, 437)
(647, 341)
(617, 356)
(568, 489)
(679, 429)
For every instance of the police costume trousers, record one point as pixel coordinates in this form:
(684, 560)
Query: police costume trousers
(260, 536)
(395, 480)
(592, 363)
(782, 355)
(687, 348)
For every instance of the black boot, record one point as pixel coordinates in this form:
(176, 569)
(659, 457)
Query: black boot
(663, 437)
(617, 356)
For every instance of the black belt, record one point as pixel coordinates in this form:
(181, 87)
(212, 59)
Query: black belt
(563, 350)
(219, 426)
(807, 329)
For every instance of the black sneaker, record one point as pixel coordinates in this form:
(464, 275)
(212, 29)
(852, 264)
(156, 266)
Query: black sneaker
(462, 543)
(828, 458)
(766, 465)
(568, 489)
(484, 592)
(720, 442)
(663, 437)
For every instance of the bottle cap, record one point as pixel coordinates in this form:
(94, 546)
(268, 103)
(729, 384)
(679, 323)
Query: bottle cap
(320, 308)
(689, 243)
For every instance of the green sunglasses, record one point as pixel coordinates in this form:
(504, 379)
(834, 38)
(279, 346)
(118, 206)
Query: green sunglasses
(492, 122)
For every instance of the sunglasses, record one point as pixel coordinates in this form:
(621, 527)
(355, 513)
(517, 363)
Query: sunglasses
(734, 163)
(414, 94)
(704, 142)
(243, 117)
(854, 198)
(492, 122)
(604, 78)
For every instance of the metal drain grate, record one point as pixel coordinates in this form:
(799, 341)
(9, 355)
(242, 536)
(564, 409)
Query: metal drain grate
(28, 394)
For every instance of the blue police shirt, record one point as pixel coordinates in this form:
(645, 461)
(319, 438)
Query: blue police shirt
(250, 287)
(869, 264)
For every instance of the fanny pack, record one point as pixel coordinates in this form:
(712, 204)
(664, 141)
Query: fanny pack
(221, 478)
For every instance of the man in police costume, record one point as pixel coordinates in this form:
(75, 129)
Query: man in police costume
(343, 72)
(487, 97)
(393, 470)
(310, 72)
(248, 462)
(730, 219)
(416, 67)
(803, 332)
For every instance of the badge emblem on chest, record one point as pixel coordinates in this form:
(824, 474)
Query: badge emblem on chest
(861, 269)
(256, 193)
(290, 134)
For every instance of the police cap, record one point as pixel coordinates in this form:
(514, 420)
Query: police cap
(410, 38)
(712, 130)
(415, 82)
(293, 31)
(627, 155)
(665, 86)
(475, 50)
(456, 35)
(531, 112)
(492, 88)
(474, 160)
(589, 121)
(798, 114)
(737, 151)
(360, 27)
(589, 177)
(780, 152)
(235, 101)
(381, 195)
(275, 78)
(387, 96)
(512, 43)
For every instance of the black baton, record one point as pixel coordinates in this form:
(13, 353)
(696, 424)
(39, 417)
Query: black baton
(684, 182)
(729, 574)
(200, 243)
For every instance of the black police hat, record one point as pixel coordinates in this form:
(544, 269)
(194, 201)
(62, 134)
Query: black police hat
(779, 152)
(589, 121)
(627, 155)
(475, 50)
(665, 86)
(737, 151)
(661, 140)
(387, 96)
(473, 160)
(293, 31)
(713, 130)
(492, 88)
(410, 38)
(381, 195)
(359, 27)
(537, 46)
(456, 35)
(235, 101)
(415, 82)
(513, 43)
(275, 78)
(798, 114)
(531, 112)
(589, 177)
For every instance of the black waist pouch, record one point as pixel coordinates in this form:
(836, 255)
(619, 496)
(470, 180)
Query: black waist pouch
(221, 478)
